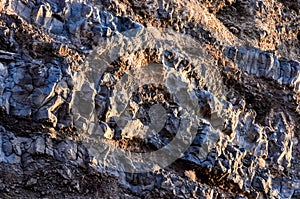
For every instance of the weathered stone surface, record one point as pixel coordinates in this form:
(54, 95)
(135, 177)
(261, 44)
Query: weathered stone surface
(39, 145)
(265, 64)
(7, 147)
(84, 82)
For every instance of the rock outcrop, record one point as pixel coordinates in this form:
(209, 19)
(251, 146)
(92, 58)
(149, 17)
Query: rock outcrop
(149, 99)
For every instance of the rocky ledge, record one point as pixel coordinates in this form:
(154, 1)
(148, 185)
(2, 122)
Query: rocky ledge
(149, 99)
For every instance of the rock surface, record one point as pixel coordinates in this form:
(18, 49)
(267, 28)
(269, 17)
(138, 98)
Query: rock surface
(149, 99)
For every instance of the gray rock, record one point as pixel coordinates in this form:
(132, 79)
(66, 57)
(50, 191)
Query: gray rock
(102, 30)
(45, 116)
(12, 159)
(39, 145)
(267, 65)
(7, 146)
(49, 150)
(56, 27)
(17, 147)
(41, 80)
(65, 151)
(280, 141)
(76, 8)
(43, 15)
(31, 182)
(1, 150)
(6, 56)
(23, 9)
(86, 11)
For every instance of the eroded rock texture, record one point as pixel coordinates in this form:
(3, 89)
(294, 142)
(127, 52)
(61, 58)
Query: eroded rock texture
(149, 99)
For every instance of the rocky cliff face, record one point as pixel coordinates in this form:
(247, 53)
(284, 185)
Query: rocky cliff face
(149, 99)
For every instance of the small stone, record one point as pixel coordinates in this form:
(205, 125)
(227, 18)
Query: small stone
(31, 182)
